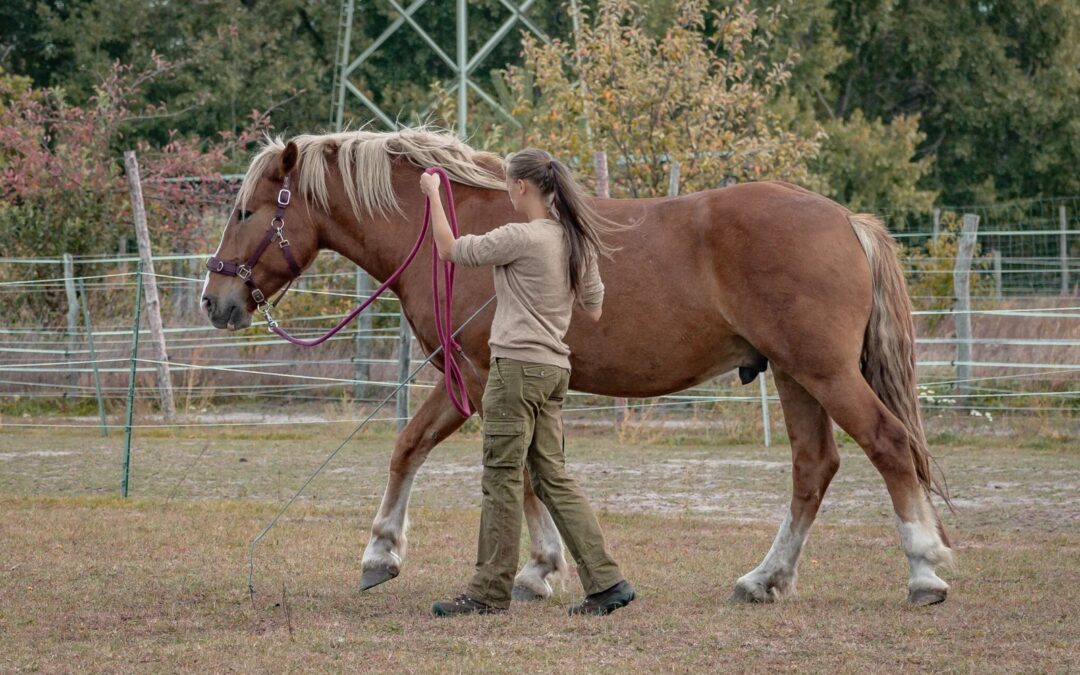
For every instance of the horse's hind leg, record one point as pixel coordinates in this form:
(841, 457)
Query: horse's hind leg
(546, 557)
(856, 408)
(436, 419)
(814, 463)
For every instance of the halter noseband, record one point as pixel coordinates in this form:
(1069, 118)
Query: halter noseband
(243, 270)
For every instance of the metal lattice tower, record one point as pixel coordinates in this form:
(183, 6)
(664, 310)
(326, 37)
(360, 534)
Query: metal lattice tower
(462, 64)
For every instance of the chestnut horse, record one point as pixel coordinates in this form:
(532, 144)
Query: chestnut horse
(701, 284)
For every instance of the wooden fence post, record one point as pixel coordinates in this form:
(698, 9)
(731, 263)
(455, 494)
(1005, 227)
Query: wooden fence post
(153, 303)
(72, 323)
(996, 255)
(93, 358)
(962, 308)
(1064, 250)
(937, 223)
(603, 190)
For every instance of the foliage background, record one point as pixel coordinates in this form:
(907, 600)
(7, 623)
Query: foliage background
(892, 104)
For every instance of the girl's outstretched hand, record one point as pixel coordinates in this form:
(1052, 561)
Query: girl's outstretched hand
(429, 184)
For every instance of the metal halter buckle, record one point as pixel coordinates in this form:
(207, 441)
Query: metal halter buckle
(244, 272)
(258, 296)
(284, 196)
(283, 242)
(265, 308)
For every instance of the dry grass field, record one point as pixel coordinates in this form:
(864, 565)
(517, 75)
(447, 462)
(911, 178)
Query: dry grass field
(157, 583)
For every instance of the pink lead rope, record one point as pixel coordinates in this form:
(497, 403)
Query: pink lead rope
(455, 382)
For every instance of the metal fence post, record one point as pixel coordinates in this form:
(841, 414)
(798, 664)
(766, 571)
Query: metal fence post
(404, 352)
(362, 359)
(131, 382)
(72, 322)
(962, 316)
(93, 359)
(765, 410)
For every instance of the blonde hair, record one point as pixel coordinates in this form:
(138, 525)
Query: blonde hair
(364, 159)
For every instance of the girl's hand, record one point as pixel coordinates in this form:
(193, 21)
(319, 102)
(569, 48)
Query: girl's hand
(429, 184)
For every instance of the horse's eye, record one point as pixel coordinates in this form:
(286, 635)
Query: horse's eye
(243, 215)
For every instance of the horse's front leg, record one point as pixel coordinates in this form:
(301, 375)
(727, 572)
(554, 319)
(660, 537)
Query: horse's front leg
(436, 419)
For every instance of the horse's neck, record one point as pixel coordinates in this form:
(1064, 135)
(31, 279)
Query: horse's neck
(378, 244)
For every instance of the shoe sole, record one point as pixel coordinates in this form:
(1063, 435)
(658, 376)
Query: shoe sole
(441, 613)
(605, 610)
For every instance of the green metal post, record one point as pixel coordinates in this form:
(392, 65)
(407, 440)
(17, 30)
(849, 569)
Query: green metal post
(93, 359)
(131, 382)
(462, 68)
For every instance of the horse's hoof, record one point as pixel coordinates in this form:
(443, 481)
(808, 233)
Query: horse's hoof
(741, 594)
(524, 594)
(924, 597)
(376, 575)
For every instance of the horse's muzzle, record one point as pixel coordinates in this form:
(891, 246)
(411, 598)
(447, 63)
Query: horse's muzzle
(226, 315)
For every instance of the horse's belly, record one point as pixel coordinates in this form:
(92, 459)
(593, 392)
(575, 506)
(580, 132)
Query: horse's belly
(653, 365)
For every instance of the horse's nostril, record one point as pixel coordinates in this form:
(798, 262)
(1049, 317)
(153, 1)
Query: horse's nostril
(208, 303)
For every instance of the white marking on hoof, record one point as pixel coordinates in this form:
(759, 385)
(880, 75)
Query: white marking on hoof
(925, 551)
(775, 577)
(926, 597)
(531, 582)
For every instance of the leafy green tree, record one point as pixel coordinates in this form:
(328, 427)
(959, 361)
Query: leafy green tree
(228, 58)
(694, 97)
(995, 85)
(867, 164)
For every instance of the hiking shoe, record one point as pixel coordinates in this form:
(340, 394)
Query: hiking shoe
(463, 604)
(605, 602)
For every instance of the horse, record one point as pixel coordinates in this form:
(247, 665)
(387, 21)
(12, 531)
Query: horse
(745, 276)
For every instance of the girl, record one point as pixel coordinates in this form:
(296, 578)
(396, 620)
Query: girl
(541, 268)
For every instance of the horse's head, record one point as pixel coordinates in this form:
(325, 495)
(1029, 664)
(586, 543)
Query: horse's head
(266, 243)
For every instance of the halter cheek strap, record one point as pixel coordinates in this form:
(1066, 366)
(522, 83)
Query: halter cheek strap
(243, 270)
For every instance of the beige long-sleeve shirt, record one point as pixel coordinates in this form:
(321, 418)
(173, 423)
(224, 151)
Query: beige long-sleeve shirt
(532, 287)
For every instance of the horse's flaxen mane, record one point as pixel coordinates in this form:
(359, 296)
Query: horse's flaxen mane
(364, 161)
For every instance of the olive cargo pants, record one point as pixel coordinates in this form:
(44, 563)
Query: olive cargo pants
(523, 426)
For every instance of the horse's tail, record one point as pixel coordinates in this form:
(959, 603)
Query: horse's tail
(888, 354)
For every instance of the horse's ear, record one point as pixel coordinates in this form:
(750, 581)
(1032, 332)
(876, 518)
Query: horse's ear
(288, 160)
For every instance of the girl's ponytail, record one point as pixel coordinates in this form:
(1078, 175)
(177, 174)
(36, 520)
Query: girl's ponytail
(584, 227)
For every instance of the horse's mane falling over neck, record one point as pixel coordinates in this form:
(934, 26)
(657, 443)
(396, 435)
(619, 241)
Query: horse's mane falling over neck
(364, 160)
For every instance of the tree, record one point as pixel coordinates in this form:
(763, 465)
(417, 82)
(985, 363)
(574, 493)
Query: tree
(995, 84)
(62, 189)
(694, 97)
(868, 165)
(230, 57)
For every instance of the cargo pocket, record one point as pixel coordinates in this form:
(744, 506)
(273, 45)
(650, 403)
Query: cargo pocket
(504, 443)
(539, 380)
